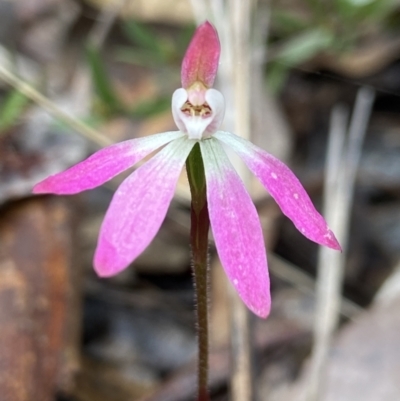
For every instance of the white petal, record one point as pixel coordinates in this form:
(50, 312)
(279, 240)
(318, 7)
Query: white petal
(216, 101)
(197, 127)
(179, 97)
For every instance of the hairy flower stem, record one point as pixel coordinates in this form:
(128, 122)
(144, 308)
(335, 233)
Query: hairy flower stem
(200, 224)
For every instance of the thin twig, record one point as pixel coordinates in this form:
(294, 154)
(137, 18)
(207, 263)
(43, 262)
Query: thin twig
(240, 12)
(270, 129)
(104, 24)
(217, 9)
(31, 93)
(358, 127)
(328, 261)
(240, 19)
(342, 164)
(305, 283)
(200, 10)
(226, 65)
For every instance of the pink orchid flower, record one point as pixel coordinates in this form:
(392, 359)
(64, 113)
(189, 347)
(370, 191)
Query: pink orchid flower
(140, 204)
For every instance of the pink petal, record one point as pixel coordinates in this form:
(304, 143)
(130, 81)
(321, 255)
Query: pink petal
(138, 209)
(201, 59)
(285, 188)
(103, 165)
(236, 228)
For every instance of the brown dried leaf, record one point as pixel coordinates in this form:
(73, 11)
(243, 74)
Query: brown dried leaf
(38, 296)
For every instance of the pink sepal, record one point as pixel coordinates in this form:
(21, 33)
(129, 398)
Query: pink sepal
(202, 56)
(103, 165)
(236, 229)
(285, 188)
(138, 209)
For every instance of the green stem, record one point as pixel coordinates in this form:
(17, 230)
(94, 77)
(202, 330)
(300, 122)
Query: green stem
(199, 242)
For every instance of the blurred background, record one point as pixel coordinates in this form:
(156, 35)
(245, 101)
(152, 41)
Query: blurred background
(323, 84)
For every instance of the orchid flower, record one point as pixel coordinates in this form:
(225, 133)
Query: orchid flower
(140, 204)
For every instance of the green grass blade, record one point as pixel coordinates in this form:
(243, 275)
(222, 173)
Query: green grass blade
(12, 108)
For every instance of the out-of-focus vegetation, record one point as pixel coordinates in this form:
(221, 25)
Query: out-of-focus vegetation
(11, 109)
(153, 49)
(148, 49)
(315, 26)
(300, 31)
